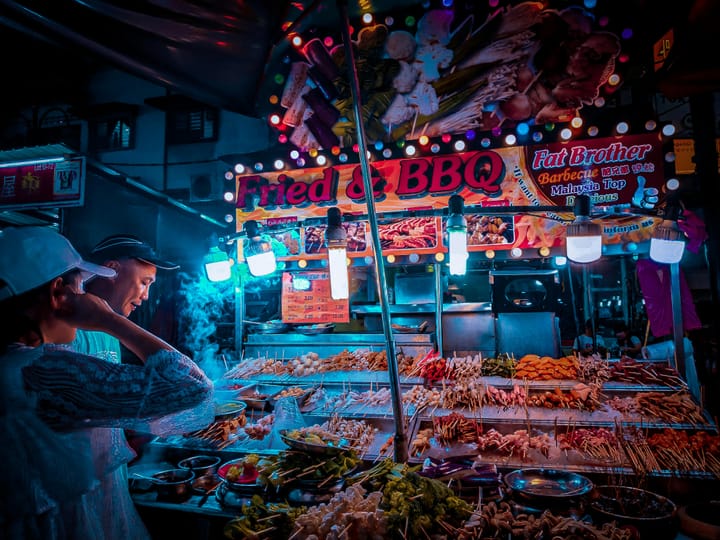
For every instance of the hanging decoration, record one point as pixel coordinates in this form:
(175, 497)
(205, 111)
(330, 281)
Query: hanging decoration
(447, 72)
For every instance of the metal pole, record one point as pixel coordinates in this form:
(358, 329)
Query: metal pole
(573, 300)
(589, 307)
(239, 319)
(676, 304)
(438, 308)
(401, 451)
(624, 291)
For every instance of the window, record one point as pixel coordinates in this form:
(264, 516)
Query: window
(192, 125)
(116, 133)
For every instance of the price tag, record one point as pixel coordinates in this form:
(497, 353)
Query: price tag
(306, 299)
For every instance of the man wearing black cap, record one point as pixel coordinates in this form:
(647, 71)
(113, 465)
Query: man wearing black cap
(135, 263)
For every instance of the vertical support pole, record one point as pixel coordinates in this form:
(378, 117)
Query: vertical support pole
(589, 304)
(438, 308)
(676, 304)
(573, 299)
(400, 440)
(239, 318)
(624, 291)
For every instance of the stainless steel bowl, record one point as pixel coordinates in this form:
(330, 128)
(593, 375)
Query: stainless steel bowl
(652, 514)
(547, 486)
(174, 484)
(200, 465)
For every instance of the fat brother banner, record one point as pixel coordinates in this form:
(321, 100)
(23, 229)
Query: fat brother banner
(617, 172)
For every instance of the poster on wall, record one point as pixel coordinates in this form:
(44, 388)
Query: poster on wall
(46, 184)
(616, 172)
(306, 299)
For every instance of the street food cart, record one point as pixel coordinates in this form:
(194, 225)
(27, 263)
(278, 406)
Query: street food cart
(427, 377)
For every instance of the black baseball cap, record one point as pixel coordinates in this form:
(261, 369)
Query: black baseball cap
(126, 246)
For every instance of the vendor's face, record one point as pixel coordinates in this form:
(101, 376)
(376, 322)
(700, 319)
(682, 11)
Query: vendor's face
(131, 285)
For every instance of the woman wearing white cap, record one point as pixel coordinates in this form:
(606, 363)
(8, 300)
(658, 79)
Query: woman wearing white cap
(46, 392)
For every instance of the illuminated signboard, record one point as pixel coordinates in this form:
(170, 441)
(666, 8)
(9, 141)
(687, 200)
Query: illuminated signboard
(42, 183)
(612, 171)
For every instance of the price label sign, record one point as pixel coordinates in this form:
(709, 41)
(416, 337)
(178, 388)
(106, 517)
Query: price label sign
(306, 299)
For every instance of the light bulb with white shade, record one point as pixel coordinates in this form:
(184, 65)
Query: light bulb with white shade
(217, 265)
(336, 238)
(583, 239)
(258, 251)
(667, 243)
(457, 237)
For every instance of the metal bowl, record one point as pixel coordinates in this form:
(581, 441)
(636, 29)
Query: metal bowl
(174, 484)
(229, 410)
(547, 486)
(653, 515)
(200, 465)
(701, 520)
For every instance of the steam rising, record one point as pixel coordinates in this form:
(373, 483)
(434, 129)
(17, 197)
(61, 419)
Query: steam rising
(201, 308)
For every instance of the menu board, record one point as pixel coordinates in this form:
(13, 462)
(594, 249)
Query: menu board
(306, 299)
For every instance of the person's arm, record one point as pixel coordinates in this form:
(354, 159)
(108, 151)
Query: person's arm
(168, 394)
(79, 391)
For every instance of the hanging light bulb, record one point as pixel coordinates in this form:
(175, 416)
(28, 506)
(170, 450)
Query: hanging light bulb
(336, 238)
(583, 237)
(667, 243)
(217, 265)
(258, 251)
(457, 236)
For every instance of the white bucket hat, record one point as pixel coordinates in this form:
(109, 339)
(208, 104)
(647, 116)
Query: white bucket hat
(32, 256)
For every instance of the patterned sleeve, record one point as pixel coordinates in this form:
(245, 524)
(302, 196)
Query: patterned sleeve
(168, 394)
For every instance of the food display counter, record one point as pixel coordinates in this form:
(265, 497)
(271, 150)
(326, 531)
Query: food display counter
(613, 419)
(545, 422)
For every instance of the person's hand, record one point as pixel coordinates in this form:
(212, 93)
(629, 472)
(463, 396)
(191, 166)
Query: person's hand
(84, 310)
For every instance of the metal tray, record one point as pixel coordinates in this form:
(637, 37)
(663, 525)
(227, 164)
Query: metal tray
(328, 449)
(269, 327)
(313, 329)
(547, 484)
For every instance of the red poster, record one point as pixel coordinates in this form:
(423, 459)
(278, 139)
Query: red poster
(36, 185)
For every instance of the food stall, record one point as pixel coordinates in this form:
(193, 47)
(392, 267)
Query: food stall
(397, 369)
